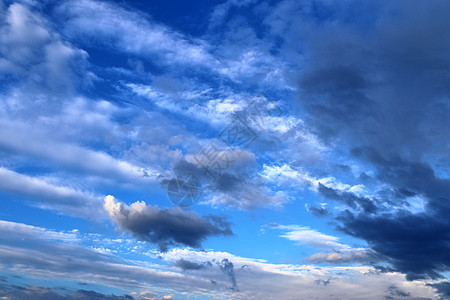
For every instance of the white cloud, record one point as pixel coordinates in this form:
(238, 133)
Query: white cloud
(285, 175)
(13, 230)
(45, 195)
(303, 235)
(38, 57)
(131, 32)
(256, 278)
(20, 139)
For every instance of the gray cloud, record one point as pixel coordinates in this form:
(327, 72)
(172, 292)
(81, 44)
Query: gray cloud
(239, 186)
(443, 288)
(375, 85)
(189, 265)
(345, 257)
(38, 252)
(348, 198)
(396, 292)
(43, 293)
(228, 268)
(165, 227)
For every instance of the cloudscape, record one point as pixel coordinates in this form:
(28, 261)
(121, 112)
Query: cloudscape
(228, 149)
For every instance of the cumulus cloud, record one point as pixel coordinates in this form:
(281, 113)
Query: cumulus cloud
(165, 227)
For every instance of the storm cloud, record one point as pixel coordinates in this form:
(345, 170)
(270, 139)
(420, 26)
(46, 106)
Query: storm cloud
(380, 94)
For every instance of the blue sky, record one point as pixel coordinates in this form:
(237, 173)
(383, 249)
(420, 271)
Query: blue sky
(308, 138)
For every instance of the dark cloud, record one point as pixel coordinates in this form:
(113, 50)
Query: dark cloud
(228, 268)
(410, 178)
(189, 265)
(319, 211)
(239, 185)
(396, 292)
(380, 92)
(322, 282)
(165, 227)
(384, 87)
(443, 288)
(44, 293)
(348, 198)
(415, 244)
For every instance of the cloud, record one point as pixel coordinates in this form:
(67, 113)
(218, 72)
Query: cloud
(51, 255)
(283, 281)
(138, 34)
(415, 244)
(348, 198)
(47, 254)
(228, 268)
(35, 57)
(304, 235)
(373, 86)
(43, 293)
(319, 211)
(131, 32)
(231, 180)
(365, 256)
(165, 227)
(46, 195)
(443, 288)
(19, 138)
(188, 265)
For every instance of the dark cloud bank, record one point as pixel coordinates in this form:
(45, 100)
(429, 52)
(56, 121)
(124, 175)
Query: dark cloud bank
(381, 91)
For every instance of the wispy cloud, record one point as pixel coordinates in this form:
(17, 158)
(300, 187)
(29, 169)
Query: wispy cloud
(63, 199)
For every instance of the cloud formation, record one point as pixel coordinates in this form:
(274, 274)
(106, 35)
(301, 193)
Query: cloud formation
(165, 227)
(376, 89)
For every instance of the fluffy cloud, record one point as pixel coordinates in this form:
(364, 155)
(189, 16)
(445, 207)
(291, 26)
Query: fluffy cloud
(165, 227)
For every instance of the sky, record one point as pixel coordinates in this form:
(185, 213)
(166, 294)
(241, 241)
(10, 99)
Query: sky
(290, 149)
